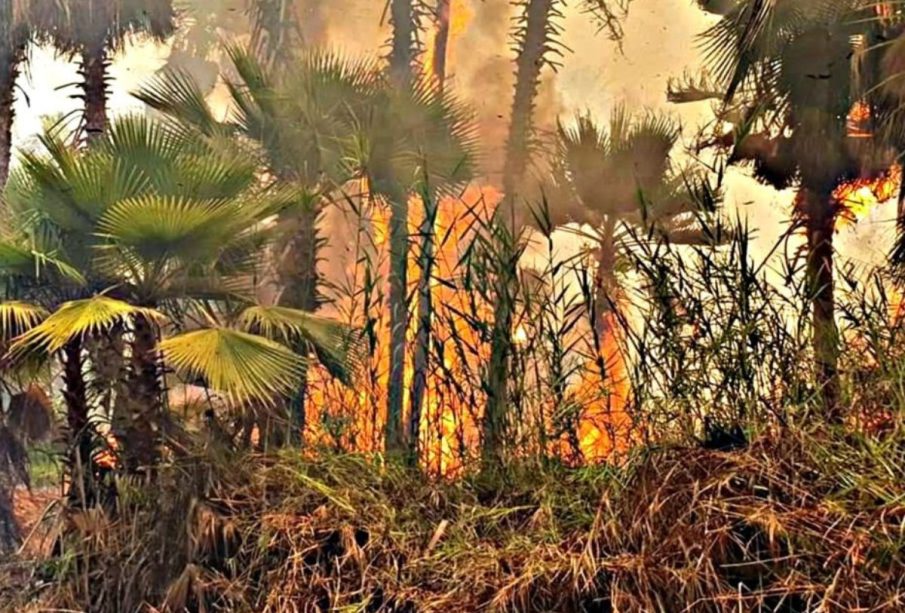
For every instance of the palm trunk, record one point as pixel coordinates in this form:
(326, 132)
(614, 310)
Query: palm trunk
(441, 50)
(535, 33)
(303, 294)
(604, 280)
(94, 74)
(142, 424)
(399, 320)
(423, 335)
(820, 222)
(12, 53)
(75, 394)
(402, 55)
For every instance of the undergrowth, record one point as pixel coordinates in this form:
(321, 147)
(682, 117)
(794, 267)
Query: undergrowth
(795, 522)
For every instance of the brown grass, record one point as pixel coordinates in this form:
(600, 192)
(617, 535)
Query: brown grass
(803, 523)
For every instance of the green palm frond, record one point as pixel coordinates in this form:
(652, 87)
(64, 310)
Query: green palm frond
(17, 318)
(79, 318)
(333, 342)
(240, 365)
(177, 95)
(19, 261)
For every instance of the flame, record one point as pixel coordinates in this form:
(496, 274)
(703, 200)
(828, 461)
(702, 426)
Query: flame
(860, 196)
(460, 17)
(451, 418)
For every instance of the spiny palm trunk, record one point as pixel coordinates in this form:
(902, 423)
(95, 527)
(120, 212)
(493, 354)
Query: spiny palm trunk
(534, 33)
(402, 55)
(441, 51)
(94, 75)
(423, 335)
(12, 53)
(535, 36)
(399, 320)
(143, 422)
(820, 222)
(75, 394)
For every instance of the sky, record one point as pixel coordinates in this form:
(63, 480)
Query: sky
(659, 44)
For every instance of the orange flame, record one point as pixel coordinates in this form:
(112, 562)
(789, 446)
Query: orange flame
(860, 196)
(451, 420)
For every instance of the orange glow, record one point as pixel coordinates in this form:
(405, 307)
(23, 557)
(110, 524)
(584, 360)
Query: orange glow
(860, 196)
(460, 16)
(450, 437)
(858, 123)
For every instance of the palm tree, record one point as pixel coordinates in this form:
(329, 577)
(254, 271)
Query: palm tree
(414, 140)
(93, 30)
(621, 179)
(14, 35)
(403, 48)
(786, 68)
(158, 222)
(299, 115)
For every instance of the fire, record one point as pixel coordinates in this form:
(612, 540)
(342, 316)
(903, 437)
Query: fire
(860, 196)
(460, 16)
(451, 417)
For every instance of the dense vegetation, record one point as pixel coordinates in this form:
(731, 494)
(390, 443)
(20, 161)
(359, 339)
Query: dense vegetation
(319, 352)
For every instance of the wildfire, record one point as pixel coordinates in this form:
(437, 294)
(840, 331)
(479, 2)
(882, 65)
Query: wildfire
(860, 196)
(454, 397)
(460, 16)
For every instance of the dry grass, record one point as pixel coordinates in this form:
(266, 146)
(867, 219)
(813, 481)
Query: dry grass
(793, 523)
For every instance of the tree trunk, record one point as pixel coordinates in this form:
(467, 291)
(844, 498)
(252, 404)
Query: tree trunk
(94, 75)
(12, 53)
(534, 33)
(75, 394)
(402, 55)
(399, 320)
(300, 281)
(140, 427)
(819, 215)
(604, 281)
(441, 50)
(423, 335)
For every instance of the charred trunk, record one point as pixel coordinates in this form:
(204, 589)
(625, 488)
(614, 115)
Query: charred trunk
(604, 281)
(819, 215)
(94, 74)
(441, 50)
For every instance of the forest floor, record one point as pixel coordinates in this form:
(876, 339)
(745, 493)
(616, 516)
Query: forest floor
(804, 522)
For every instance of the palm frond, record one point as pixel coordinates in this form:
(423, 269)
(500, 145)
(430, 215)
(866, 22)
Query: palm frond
(79, 318)
(17, 318)
(240, 365)
(333, 342)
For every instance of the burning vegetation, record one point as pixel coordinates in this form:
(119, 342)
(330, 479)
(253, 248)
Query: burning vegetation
(311, 334)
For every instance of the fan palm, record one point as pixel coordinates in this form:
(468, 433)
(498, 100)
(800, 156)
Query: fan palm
(621, 179)
(789, 67)
(158, 221)
(300, 117)
(94, 29)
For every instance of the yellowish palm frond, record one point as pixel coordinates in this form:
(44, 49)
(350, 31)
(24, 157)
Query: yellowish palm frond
(17, 318)
(240, 365)
(332, 341)
(79, 318)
